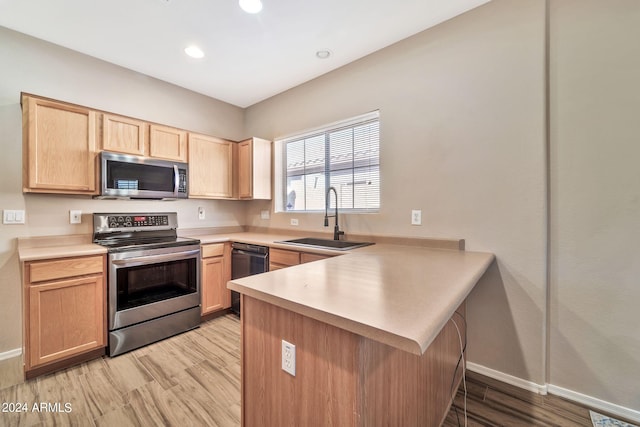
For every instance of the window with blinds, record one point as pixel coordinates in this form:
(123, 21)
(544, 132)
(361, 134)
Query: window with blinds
(345, 156)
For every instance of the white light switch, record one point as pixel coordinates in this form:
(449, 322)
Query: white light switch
(264, 214)
(13, 216)
(201, 213)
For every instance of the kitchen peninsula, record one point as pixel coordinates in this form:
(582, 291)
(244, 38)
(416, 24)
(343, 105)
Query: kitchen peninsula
(375, 334)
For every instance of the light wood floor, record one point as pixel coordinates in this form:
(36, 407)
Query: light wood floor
(193, 379)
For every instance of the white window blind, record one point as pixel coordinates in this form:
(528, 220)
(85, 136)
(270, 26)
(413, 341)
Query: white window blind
(345, 156)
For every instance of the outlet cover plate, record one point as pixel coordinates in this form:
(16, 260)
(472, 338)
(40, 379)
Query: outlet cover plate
(289, 358)
(75, 217)
(416, 217)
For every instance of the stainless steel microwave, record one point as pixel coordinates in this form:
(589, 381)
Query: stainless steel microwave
(134, 177)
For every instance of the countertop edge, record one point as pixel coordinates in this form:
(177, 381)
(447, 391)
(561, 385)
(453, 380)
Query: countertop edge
(416, 345)
(393, 340)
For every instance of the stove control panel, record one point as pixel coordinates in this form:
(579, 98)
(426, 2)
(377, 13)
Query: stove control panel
(138, 221)
(134, 222)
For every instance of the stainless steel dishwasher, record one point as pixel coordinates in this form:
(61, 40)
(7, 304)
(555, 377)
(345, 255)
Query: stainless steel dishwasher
(247, 260)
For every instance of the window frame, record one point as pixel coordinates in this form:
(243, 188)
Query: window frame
(281, 163)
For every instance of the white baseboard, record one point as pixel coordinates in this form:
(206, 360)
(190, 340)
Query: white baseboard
(506, 378)
(597, 404)
(10, 354)
(591, 402)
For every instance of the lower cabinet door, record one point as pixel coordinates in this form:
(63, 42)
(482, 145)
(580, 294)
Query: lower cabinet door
(66, 318)
(213, 285)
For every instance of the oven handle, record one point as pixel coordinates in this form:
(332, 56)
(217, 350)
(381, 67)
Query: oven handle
(153, 259)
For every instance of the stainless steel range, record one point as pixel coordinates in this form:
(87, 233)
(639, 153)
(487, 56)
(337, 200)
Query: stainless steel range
(153, 278)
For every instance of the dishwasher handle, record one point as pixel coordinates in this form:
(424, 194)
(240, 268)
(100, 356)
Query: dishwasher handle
(249, 253)
(247, 247)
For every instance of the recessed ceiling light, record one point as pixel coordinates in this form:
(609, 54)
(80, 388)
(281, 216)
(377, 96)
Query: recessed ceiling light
(323, 54)
(194, 52)
(251, 6)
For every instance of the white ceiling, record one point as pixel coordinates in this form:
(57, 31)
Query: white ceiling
(248, 58)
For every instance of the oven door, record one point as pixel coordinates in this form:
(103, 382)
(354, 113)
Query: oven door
(148, 284)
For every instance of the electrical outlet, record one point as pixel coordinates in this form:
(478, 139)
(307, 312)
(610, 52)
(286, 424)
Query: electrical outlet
(264, 214)
(75, 217)
(416, 217)
(289, 358)
(294, 221)
(200, 212)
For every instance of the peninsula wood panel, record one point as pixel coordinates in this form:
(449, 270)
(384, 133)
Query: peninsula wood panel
(59, 147)
(123, 135)
(167, 143)
(417, 390)
(324, 390)
(342, 379)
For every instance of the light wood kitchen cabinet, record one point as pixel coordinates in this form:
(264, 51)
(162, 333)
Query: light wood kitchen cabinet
(123, 135)
(306, 257)
(215, 273)
(65, 310)
(167, 143)
(282, 258)
(59, 147)
(210, 167)
(254, 169)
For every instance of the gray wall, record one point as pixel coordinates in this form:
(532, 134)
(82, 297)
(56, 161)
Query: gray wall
(463, 139)
(462, 109)
(41, 68)
(595, 189)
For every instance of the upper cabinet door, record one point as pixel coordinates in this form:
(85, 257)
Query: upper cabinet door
(245, 169)
(210, 167)
(254, 169)
(59, 147)
(167, 143)
(123, 135)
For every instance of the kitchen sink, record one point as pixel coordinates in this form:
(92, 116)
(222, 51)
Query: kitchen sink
(312, 242)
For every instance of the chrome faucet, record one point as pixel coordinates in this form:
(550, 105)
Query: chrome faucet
(336, 229)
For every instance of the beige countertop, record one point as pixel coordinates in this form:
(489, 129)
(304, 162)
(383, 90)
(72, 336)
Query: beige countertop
(398, 294)
(47, 247)
(395, 294)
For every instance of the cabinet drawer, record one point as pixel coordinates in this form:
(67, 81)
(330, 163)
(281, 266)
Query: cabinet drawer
(274, 267)
(281, 256)
(68, 267)
(310, 257)
(215, 249)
